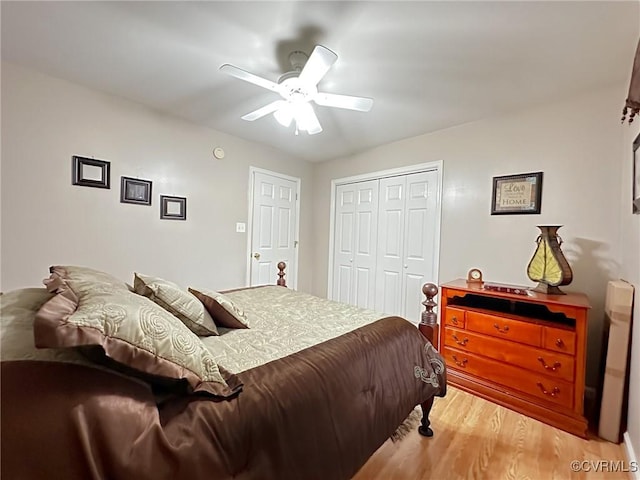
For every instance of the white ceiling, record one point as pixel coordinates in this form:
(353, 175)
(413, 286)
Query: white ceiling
(427, 65)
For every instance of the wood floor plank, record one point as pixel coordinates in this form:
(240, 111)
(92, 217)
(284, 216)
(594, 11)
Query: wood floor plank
(477, 439)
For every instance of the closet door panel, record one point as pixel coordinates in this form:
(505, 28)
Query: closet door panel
(390, 245)
(344, 244)
(342, 284)
(363, 288)
(366, 231)
(389, 301)
(412, 297)
(419, 240)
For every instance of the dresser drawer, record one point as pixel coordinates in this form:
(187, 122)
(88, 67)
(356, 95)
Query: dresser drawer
(454, 317)
(505, 328)
(540, 386)
(559, 340)
(552, 364)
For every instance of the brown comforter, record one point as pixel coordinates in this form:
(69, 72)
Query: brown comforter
(316, 414)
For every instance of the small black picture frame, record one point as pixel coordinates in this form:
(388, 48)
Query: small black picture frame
(89, 172)
(135, 190)
(173, 208)
(636, 177)
(517, 194)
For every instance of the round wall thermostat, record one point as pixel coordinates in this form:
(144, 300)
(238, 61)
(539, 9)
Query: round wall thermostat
(218, 152)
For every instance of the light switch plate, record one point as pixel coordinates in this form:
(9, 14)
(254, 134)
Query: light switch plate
(241, 227)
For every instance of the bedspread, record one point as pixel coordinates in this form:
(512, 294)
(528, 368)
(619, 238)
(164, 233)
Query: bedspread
(315, 414)
(281, 322)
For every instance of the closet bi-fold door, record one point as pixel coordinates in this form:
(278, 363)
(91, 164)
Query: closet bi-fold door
(406, 242)
(356, 228)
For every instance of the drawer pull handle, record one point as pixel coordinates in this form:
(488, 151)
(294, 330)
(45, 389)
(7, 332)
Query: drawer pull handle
(559, 343)
(461, 363)
(553, 368)
(501, 330)
(462, 342)
(553, 393)
(454, 320)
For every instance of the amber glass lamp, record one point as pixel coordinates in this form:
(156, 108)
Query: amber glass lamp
(548, 266)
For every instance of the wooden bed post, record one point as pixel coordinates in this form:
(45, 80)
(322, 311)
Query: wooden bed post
(429, 324)
(429, 328)
(424, 428)
(281, 281)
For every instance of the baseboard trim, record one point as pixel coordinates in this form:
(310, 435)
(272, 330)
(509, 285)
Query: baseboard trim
(631, 455)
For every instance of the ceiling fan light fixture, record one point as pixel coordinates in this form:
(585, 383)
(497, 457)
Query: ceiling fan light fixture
(304, 114)
(301, 112)
(284, 115)
(297, 88)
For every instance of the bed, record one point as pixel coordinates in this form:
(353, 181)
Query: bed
(289, 386)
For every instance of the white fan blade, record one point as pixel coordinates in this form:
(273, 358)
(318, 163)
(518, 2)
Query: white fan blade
(306, 119)
(361, 104)
(249, 77)
(318, 64)
(266, 110)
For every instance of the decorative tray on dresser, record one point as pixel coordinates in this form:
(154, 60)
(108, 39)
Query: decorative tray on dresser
(525, 352)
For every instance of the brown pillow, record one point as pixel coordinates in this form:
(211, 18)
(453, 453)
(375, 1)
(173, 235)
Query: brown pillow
(131, 329)
(176, 301)
(223, 311)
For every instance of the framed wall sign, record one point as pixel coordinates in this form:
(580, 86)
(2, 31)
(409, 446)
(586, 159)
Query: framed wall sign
(173, 208)
(134, 190)
(88, 172)
(636, 176)
(517, 194)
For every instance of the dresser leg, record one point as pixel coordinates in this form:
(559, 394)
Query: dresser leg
(424, 429)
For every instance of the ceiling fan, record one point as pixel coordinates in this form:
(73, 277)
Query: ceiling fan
(298, 88)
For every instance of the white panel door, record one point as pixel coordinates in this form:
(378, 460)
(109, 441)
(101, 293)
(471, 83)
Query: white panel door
(385, 236)
(420, 228)
(344, 244)
(366, 232)
(408, 226)
(356, 223)
(273, 228)
(389, 272)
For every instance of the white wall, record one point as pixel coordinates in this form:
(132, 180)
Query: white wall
(46, 220)
(630, 271)
(577, 143)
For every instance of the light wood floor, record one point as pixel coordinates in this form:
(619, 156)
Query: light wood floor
(476, 439)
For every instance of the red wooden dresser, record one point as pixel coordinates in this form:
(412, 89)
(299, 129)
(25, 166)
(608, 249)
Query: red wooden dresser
(525, 352)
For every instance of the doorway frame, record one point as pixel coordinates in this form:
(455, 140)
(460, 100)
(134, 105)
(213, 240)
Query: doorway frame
(437, 165)
(252, 171)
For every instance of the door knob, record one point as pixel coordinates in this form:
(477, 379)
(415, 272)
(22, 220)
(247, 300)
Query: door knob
(256, 256)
